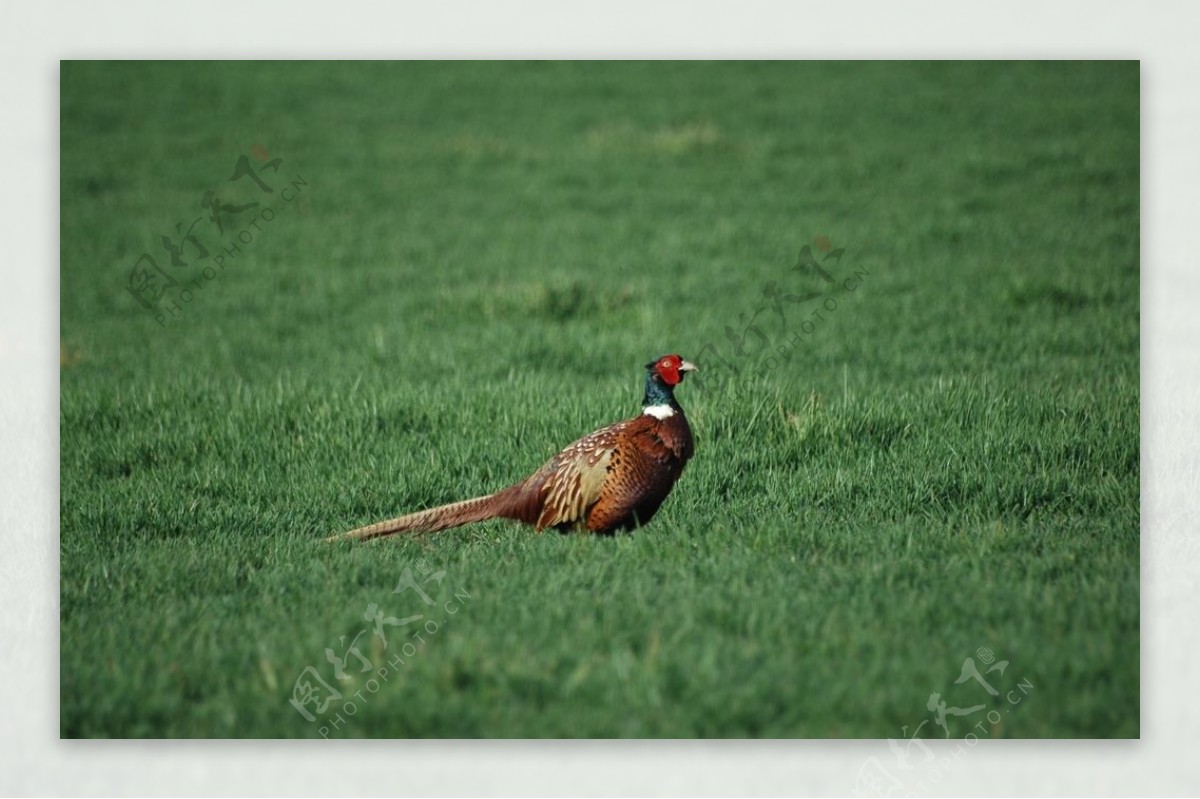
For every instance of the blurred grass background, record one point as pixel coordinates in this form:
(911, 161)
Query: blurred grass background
(475, 262)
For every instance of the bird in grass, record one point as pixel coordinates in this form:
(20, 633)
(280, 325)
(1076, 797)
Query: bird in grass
(613, 479)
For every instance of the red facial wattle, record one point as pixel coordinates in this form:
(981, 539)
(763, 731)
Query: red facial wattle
(668, 370)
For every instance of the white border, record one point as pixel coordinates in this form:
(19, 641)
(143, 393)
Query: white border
(33, 760)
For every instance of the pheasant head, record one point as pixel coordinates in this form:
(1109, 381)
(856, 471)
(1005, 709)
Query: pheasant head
(662, 375)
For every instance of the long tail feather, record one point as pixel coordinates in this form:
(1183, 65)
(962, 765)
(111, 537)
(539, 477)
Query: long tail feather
(432, 520)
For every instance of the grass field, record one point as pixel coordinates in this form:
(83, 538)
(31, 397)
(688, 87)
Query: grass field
(465, 267)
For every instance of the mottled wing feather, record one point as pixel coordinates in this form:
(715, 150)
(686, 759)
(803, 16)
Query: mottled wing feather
(649, 458)
(573, 480)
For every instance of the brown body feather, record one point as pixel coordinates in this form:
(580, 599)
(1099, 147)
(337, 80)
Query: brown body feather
(615, 478)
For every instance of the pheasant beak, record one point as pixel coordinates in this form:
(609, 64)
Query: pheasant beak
(688, 366)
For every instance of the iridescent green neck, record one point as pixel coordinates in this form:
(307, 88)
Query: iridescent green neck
(658, 393)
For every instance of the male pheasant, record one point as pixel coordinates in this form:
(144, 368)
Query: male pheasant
(613, 479)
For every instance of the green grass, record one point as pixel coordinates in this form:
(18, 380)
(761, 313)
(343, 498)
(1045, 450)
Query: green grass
(475, 267)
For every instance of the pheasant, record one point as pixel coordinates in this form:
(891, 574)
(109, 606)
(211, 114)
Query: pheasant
(613, 479)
